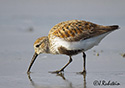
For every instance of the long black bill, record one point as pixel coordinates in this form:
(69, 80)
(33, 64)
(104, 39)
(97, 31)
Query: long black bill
(32, 61)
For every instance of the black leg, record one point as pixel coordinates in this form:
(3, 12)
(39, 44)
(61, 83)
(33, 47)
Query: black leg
(84, 62)
(84, 65)
(62, 69)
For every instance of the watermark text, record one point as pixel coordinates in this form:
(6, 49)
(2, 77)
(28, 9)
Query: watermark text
(105, 83)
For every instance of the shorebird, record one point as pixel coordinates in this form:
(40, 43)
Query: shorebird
(70, 38)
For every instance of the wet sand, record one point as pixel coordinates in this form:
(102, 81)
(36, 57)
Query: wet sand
(22, 22)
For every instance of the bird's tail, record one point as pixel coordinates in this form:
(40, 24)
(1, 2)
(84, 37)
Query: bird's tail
(108, 28)
(113, 27)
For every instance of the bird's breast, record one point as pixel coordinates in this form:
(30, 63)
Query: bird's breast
(77, 45)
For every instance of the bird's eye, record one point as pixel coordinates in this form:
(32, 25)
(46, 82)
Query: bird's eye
(37, 45)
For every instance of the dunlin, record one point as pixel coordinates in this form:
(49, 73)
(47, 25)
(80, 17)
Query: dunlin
(71, 38)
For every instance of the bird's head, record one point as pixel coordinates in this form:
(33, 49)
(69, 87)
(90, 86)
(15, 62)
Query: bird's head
(41, 45)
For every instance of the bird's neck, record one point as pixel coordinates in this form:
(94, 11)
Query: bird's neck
(46, 48)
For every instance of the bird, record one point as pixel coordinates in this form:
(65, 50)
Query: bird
(71, 38)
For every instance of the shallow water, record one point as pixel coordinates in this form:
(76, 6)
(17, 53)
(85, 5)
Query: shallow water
(22, 22)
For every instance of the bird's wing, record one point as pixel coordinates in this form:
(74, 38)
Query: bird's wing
(76, 30)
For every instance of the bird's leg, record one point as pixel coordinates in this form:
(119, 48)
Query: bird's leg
(84, 64)
(70, 60)
(62, 69)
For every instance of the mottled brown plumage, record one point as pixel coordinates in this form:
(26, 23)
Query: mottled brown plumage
(75, 30)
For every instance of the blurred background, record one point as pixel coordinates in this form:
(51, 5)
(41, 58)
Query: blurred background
(23, 21)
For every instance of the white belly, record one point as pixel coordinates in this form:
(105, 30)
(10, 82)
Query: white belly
(83, 44)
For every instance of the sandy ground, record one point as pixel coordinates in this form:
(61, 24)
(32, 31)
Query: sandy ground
(23, 21)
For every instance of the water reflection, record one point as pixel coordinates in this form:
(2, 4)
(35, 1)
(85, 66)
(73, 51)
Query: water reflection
(63, 77)
(70, 85)
(32, 82)
(84, 80)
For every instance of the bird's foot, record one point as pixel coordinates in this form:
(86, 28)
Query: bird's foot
(56, 72)
(28, 72)
(82, 73)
